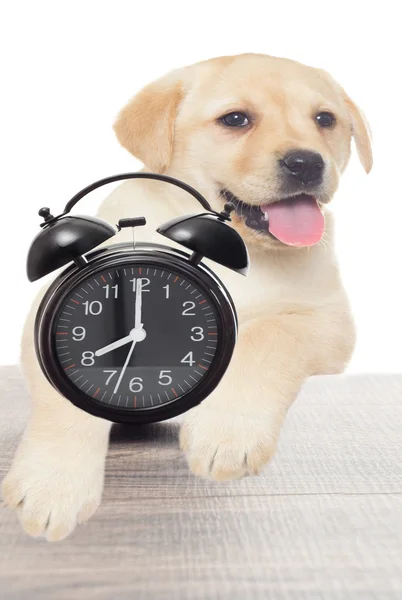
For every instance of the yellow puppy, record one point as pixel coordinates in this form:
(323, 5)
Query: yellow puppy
(272, 136)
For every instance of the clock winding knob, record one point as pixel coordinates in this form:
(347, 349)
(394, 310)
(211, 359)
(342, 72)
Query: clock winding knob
(45, 214)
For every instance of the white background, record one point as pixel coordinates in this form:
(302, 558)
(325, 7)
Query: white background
(67, 68)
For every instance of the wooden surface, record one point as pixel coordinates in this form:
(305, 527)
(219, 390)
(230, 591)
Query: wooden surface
(323, 522)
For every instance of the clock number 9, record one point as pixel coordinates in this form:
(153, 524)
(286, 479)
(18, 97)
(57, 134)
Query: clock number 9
(79, 334)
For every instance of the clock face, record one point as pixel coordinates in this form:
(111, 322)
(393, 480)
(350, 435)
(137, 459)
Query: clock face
(136, 337)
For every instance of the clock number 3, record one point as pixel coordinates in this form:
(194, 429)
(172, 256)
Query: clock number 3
(198, 334)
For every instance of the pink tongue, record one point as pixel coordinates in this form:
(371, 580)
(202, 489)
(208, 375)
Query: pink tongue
(296, 221)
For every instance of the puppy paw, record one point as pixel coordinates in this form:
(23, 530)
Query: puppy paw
(52, 493)
(226, 446)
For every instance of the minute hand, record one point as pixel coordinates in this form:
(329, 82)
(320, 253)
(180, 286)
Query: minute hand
(124, 367)
(138, 304)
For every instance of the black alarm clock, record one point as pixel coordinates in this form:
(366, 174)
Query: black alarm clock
(135, 332)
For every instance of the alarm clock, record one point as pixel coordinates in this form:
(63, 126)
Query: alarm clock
(140, 332)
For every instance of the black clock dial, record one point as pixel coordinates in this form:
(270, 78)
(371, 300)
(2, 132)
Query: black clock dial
(136, 337)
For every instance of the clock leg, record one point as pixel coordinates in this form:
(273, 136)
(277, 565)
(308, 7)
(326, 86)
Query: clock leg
(56, 478)
(234, 432)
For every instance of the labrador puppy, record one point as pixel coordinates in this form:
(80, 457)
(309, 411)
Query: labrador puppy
(272, 136)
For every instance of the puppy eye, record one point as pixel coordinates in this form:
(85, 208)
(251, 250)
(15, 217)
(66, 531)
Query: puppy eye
(235, 119)
(325, 119)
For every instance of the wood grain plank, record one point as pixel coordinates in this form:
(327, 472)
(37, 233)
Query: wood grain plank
(341, 436)
(281, 547)
(324, 522)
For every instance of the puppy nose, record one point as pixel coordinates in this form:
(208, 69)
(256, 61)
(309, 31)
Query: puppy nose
(304, 165)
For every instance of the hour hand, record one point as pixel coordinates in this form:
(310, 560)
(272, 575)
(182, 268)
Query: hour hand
(135, 335)
(114, 345)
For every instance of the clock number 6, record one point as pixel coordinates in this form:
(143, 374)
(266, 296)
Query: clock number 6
(136, 385)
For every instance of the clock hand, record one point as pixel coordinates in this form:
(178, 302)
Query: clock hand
(114, 345)
(136, 335)
(125, 366)
(138, 304)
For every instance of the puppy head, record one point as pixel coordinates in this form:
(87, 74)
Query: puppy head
(269, 134)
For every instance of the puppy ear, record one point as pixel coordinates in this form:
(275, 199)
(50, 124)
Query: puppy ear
(361, 134)
(145, 127)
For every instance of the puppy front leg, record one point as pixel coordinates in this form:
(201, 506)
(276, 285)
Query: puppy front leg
(56, 479)
(234, 432)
